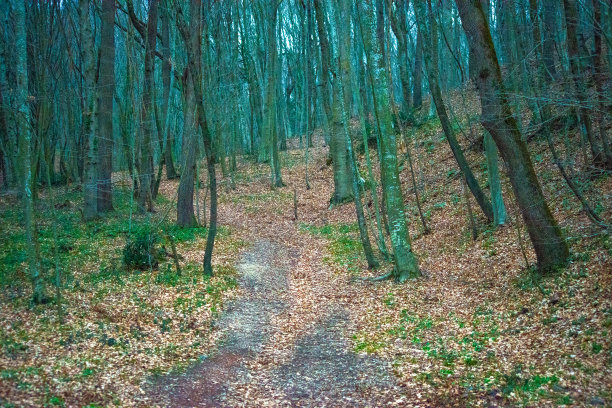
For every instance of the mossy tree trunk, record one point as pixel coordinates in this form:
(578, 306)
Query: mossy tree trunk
(343, 83)
(406, 265)
(423, 15)
(106, 91)
(550, 247)
(24, 147)
(193, 35)
(90, 182)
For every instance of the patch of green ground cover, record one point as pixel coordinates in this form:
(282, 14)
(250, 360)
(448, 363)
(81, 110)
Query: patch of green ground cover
(344, 245)
(464, 356)
(146, 304)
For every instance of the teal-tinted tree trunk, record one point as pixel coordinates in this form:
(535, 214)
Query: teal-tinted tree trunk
(106, 91)
(270, 108)
(497, 200)
(548, 242)
(343, 83)
(333, 115)
(190, 36)
(24, 148)
(406, 265)
(430, 52)
(166, 78)
(146, 176)
(89, 124)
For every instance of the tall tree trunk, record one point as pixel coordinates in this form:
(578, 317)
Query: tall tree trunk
(578, 73)
(196, 76)
(24, 148)
(430, 52)
(550, 247)
(106, 91)
(90, 183)
(549, 10)
(270, 125)
(600, 77)
(166, 78)
(406, 265)
(399, 27)
(184, 205)
(417, 83)
(343, 83)
(338, 148)
(145, 195)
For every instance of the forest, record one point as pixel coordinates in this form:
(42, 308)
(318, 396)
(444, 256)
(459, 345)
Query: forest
(326, 203)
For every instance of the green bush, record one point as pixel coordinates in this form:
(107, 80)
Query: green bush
(141, 250)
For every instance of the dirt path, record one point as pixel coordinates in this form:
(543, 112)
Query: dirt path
(278, 349)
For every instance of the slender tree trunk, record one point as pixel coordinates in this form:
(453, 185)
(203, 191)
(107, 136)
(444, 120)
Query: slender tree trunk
(145, 195)
(166, 78)
(24, 148)
(497, 200)
(90, 183)
(549, 9)
(406, 265)
(574, 54)
(550, 247)
(106, 91)
(600, 80)
(417, 83)
(431, 66)
(196, 76)
(270, 107)
(343, 82)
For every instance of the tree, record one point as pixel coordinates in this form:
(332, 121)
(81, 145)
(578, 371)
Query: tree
(192, 35)
(25, 149)
(270, 111)
(331, 105)
(166, 78)
(106, 91)
(89, 121)
(430, 53)
(146, 179)
(575, 57)
(406, 265)
(343, 83)
(550, 247)
(184, 205)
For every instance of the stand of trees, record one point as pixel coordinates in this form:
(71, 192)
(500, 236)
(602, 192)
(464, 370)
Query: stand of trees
(92, 87)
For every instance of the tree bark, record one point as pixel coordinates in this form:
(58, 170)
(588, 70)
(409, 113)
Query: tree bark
(145, 195)
(24, 148)
(550, 247)
(196, 76)
(90, 196)
(430, 53)
(406, 266)
(166, 78)
(574, 55)
(184, 205)
(106, 91)
(343, 82)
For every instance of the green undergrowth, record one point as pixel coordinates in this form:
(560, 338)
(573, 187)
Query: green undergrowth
(72, 245)
(115, 302)
(343, 244)
(462, 351)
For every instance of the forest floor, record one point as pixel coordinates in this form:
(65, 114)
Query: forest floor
(285, 323)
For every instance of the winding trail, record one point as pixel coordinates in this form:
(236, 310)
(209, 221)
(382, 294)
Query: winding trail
(279, 348)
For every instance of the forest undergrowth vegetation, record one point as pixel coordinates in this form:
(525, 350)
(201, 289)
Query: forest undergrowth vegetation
(480, 325)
